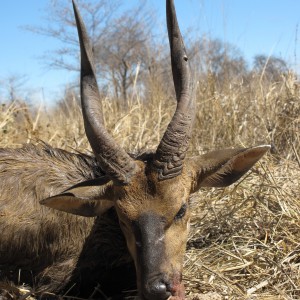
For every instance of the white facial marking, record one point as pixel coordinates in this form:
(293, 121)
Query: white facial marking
(160, 239)
(188, 225)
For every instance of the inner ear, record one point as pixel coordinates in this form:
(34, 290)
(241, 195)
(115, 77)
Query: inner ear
(77, 206)
(89, 198)
(223, 167)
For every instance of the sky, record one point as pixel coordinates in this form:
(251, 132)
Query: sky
(267, 27)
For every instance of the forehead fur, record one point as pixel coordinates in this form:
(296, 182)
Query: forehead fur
(146, 193)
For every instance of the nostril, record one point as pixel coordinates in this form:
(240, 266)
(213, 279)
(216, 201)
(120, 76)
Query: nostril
(169, 286)
(159, 288)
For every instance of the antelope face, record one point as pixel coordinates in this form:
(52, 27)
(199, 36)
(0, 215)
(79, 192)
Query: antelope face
(154, 214)
(154, 217)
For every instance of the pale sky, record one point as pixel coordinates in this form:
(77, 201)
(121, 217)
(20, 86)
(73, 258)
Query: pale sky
(254, 26)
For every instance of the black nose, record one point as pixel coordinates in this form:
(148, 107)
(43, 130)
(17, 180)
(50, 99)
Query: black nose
(157, 290)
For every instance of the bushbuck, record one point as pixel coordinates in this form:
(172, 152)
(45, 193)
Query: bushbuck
(113, 199)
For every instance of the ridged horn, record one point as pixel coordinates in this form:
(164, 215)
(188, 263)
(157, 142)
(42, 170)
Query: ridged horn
(171, 151)
(114, 161)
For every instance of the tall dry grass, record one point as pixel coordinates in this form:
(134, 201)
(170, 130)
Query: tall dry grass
(245, 239)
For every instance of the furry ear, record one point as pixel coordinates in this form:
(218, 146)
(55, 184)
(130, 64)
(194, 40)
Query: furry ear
(89, 198)
(223, 167)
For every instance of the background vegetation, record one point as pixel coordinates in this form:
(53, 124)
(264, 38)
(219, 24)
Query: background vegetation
(244, 241)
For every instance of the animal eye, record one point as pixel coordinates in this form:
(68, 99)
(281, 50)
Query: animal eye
(181, 212)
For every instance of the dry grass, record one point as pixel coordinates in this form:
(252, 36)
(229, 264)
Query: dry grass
(245, 239)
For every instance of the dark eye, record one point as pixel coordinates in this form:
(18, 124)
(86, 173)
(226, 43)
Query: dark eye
(181, 212)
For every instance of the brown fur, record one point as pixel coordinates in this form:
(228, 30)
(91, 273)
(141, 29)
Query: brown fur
(46, 248)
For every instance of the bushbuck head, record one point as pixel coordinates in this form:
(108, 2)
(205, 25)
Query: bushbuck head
(150, 193)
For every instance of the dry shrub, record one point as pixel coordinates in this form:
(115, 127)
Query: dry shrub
(244, 241)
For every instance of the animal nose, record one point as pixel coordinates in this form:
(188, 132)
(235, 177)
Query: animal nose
(158, 290)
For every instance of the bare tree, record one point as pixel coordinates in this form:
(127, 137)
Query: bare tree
(61, 26)
(118, 40)
(218, 59)
(125, 49)
(12, 87)
(271, 67)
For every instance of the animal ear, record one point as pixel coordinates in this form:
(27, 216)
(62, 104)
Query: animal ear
(223, 167)
(89, 198)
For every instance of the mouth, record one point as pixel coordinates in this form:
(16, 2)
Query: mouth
(177, 291)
